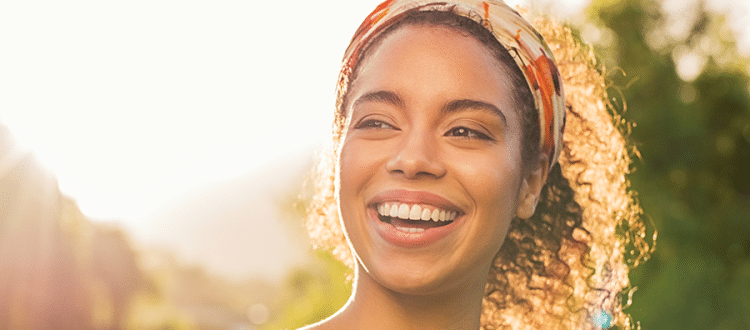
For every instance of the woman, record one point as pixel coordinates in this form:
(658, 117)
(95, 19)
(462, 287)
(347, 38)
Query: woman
(450, 164)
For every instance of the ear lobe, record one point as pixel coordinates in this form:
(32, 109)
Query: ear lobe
(527, 201)
(531, 188)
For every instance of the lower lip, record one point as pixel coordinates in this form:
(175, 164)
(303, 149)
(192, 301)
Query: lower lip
(409, 240)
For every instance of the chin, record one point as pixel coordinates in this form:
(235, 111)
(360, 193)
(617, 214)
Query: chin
(413, 277)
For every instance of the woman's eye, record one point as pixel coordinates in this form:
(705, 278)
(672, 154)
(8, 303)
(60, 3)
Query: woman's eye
(467, 133)
(374, 123)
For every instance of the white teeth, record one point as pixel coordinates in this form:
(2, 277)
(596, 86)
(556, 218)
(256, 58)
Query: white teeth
(425, 214)
(403, 211)
(415, 213)
(410, 230)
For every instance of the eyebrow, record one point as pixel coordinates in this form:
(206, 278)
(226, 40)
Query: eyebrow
(466, 104)
(392, 98)
(381, 96)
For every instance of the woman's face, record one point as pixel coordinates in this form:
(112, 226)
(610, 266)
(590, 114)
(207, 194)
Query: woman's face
(433, 135)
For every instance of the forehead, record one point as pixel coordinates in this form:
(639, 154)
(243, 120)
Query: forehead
(413, 45)
(434, 63)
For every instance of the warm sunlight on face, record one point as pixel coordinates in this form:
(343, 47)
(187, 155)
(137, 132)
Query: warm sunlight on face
(431, 162)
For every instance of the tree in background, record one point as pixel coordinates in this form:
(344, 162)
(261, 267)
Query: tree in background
(686, 89)
(60, 270)
(57, 269)
(43, 276)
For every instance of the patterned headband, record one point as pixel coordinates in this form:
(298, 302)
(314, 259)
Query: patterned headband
(530, 52)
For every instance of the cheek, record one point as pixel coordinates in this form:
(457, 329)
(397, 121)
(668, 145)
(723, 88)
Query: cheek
(489, 174)
(360, 161)
(358, 167)
(349, 180)
(493, 184)
(354, 165)
(348, 162)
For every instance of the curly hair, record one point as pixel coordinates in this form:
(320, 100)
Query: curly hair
(569, 262)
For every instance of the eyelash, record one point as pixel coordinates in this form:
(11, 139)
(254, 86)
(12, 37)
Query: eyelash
(374, 124)
(468, 133)
(460, 131)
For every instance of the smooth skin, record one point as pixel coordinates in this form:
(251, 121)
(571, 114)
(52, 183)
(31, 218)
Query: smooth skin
(430, 111)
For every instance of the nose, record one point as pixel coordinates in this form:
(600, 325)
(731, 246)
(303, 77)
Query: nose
(418, 156)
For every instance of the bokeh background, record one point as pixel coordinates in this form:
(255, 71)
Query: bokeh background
(153, 158)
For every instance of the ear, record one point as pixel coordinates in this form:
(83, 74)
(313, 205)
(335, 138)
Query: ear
(531, 187)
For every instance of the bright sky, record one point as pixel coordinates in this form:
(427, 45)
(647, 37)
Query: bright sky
(132, 103)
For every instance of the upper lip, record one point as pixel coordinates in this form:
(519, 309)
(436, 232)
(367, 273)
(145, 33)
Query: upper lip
(414, 197)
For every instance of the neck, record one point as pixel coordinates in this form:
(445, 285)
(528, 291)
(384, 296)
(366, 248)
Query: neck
(373, 306)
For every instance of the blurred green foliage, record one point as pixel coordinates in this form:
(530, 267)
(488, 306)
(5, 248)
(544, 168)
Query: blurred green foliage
(312, 294)
(693, 134)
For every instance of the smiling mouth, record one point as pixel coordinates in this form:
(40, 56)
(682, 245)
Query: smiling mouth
(414, 218)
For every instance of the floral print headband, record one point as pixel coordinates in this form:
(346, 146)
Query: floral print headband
(517, 35)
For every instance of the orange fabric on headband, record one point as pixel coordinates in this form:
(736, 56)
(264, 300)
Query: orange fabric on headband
(530, 52)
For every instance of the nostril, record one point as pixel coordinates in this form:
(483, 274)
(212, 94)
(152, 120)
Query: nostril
(415, 168)
(416, 157)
